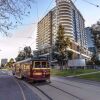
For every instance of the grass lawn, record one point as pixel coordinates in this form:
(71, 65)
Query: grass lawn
(56, 72)
(95, 77)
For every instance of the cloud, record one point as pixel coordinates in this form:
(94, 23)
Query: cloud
(24, 36)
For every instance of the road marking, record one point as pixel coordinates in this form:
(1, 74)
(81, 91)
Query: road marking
(24, 98)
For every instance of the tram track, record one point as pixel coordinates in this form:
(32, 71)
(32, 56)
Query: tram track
(37, 86)
(68, 84)
(82, 81)
(43, 93)
(44, 88)
(87, 87)
(65, 92)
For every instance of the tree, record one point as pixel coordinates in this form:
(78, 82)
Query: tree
(10, 63)
(11, 12)
(28, 51)
(61, 47)
(21, 56)
(24, 54)
(70, 54)
(96, 37)
(94, 60)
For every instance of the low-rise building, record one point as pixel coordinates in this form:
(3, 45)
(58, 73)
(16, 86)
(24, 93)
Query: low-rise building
(3, 62)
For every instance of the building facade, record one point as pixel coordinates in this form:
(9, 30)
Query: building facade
(90, 43)
(44, 32)
(66, 14)
(3, 62)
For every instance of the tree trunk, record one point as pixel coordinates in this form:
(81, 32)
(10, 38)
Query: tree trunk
(61, 65)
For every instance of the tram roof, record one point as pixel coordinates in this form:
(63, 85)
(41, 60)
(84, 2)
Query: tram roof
(32, 59)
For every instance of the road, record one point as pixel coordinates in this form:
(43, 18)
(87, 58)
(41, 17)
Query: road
(59, 89)
(13, 89)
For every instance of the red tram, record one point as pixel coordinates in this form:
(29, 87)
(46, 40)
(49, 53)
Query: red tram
(32, 69)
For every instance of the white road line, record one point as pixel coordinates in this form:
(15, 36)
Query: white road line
(24, 98)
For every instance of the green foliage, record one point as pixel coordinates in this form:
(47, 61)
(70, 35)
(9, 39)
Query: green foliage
(10, 63)
(56, 72)
(96, 38)
(61, 46)
(89, 62)
(95, 77)
(70, 55)
(26, 53)
(21, 56)
(97, 62)
(94, 60)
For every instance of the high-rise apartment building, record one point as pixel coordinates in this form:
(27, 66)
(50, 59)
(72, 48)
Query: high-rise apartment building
(90, 43)
(44, 32)
(78, 27)
(66, 14)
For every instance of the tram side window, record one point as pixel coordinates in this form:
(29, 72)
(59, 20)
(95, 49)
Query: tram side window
(37, 65)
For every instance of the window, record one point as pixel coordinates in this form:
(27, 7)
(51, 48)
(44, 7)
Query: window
(44, 65)
(37, 65)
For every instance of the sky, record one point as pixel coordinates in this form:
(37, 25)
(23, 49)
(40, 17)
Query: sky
(25, 34)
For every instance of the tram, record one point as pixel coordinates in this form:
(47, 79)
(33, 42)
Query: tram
(32, 69)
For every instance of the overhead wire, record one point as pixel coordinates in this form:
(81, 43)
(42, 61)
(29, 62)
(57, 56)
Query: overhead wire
(48, 7)
(44, 12)
(91, 3)
(30, 37)
(36, 2)
(75, 1)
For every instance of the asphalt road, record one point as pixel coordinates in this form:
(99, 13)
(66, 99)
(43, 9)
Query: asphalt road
(13, 89)
(59, 89)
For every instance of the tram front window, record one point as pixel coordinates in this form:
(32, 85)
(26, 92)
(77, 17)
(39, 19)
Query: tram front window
(41, 64)
(37, 64)
(44, 64)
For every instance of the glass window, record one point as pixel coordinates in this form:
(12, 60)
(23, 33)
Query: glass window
(37, 64)
(44, 64)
